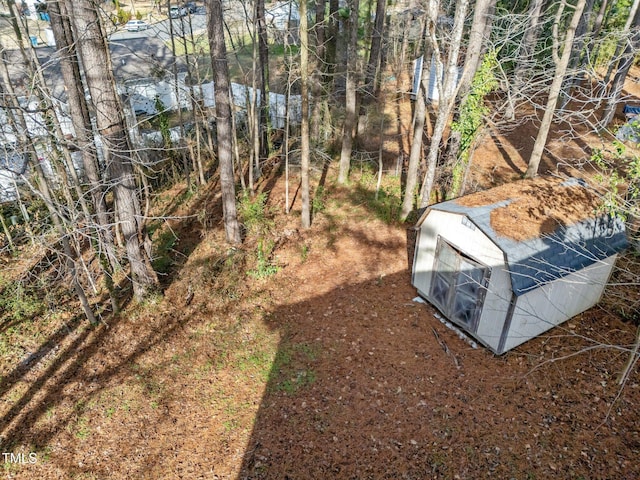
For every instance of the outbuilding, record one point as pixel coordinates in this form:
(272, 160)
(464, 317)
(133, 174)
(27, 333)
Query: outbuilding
(512, 262)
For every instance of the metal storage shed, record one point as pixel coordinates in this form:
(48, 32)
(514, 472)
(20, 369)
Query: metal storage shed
(510, 263)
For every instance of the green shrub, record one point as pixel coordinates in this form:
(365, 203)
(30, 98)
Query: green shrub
(18, 302)
(253, 213)
(264, 264)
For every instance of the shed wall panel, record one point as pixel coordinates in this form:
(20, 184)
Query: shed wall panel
(549, 305)
(471, 242)
(478, 246)
(495, 308)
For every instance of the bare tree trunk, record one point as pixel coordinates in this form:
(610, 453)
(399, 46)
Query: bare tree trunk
(7, 233)
(176, 90)
(351, 95)
(480, 29)
(304, 124)
(554, 90)
(530, 38)
(576, 51)
(375, 53)
(332, 43)
(79, 112)
(111, 126)
(622, 43)
(19, 124)
(447, 90)
(416, 144)
(595, 31)
(319, 35)
(70, 255)
(626, 62)
(223, 119)
(263, 79)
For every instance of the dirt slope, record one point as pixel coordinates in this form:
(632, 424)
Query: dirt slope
(326, 369)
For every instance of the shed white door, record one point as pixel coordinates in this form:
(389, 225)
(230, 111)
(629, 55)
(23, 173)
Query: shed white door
(458, 286)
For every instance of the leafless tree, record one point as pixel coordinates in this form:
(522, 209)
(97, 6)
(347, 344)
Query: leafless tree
(304, 126)
(218, 51)
(111, 127)
(446, 79)
(561, 62)
(348, 131)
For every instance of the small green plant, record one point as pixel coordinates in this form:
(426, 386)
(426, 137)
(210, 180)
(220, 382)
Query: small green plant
(620, 178)
(301, 379)
(230, 425)
(122, 16)
(161, 120)
(318, 202)
(83, 430)
(164, 244)
(18, 301)
(471, 120)
(258, 364)
(264, 265)
(304, 252)
(253, 213)
(291, 367)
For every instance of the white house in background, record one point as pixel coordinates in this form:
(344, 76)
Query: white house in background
(433, 92)
(283, 18)
(512, 262)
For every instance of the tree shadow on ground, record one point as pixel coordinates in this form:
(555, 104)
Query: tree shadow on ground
(368, 384)
(74, 347)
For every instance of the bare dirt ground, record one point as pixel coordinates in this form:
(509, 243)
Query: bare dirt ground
(325, 369)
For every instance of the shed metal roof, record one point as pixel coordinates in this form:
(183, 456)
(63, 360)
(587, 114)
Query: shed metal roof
(547, 257)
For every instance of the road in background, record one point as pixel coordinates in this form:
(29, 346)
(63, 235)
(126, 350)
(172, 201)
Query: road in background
(195, 22)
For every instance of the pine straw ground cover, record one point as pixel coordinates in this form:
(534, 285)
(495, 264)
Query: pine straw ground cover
(325, 369)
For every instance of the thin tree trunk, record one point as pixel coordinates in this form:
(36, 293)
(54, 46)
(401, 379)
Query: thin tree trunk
(332, 44)
(19, 124)
(70, 255)
(622, 42)
(576, 51)
(530, 39)
(351, 94)
(480, 29)
(554, 90)
(375, 53)
(626, 62)
(218, 51)
(447, 91)
(176, 89)
(589, 52)
(7, 233)
(304, 124)
(111, 126)
(416, 144)
(79, 112)
(319, 35)
(263, 79)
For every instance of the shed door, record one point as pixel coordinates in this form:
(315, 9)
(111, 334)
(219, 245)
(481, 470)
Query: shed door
(458, 286)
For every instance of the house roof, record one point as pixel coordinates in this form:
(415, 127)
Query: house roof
(133, 58)
(547, 228)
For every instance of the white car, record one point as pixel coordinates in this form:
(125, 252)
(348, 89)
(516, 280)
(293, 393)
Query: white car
(177, 12)
(136, 25)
